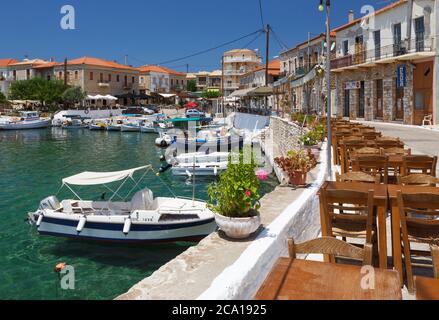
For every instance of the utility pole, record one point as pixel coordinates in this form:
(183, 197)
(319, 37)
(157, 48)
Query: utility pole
(309, 51)
(328, 84)
(187, 68)
(222, 86)
(126, 59)
(65, 71)
(267, 53)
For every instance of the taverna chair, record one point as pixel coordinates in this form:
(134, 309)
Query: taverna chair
(419, 164)
(357, 177)
(333, 247)
(419, 224)
(422, 180)
(375, 165)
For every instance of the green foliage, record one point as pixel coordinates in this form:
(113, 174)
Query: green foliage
(73, 95)
(2, 98)
(236, 194)
(297, 160)
(299, 117)
(211, 94)
(192, 86)
(45, 91)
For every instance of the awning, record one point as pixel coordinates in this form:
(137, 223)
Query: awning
(99, 178)
(100, 97)
(167, 95)
(261, 92)
(240, 93)
(306, 78)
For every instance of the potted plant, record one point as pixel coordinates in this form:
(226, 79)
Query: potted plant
(297, 165)
(234, 199)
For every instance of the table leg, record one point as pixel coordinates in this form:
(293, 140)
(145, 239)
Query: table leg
(325, 233)
(396, 242)
(382, 237)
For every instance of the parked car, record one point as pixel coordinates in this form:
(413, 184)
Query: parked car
(194, 113)
(148, 111)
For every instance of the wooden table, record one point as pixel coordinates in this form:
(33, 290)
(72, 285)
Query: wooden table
(427, 288)
(380, 201)
(312, 280)
(396, 223)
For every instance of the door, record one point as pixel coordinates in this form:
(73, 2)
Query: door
(359, 50)
(347, 100)
(399, 104)
(419, 33)
(397, 40)
(379, 101)
(377, 41)
(361, 101)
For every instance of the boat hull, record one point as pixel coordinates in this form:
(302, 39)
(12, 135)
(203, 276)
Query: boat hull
(130, 129)
(140, 232)
(40, 124)
(147, 130)
(113, 128)
(180, 171)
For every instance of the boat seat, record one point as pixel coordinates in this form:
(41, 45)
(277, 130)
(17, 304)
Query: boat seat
(143, 200)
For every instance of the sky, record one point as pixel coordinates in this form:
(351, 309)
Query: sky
(157, 31)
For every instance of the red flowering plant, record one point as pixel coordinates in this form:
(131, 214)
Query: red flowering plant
(236, 193)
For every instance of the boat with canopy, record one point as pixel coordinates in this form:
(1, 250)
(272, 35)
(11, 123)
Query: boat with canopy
(143, 218)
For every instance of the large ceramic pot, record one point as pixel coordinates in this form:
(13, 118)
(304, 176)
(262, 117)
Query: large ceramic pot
(298, 178)
(238, 228)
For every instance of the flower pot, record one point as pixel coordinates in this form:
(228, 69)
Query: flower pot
(238, 228)
(298, 178)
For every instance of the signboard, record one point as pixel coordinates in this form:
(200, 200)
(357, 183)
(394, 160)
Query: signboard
(352, 85)
(401, 76)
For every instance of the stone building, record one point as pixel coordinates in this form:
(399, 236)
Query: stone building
(161, 80)
(385, 61)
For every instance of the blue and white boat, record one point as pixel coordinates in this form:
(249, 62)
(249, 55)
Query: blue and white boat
(142, 219)
(27, 120)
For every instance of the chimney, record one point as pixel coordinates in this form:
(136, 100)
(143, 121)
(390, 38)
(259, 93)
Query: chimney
(351, 16)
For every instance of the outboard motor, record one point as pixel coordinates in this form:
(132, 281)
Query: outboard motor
(50, 203)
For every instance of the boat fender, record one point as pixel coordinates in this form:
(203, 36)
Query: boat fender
(163, 143)
(127, 226)
(81, 224)
(87, 111)
(40, 219)
(162, 158)
(215, 171)
(165, 168)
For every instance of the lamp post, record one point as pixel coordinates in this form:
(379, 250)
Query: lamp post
(328, 82)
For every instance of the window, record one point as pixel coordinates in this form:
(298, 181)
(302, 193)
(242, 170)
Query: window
(397, 41)
(133, 79)
(142, 80)
(419, 33)
(345, 47)
(60, 75)
(118, 78)
(101, 77)
(27, 74)
(377, 42)
(48, 77)
(419, 100)
(76, 75)
(91, 76)
(109, 77)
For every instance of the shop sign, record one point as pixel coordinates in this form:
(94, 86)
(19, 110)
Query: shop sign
(401, 76)
(352, 85)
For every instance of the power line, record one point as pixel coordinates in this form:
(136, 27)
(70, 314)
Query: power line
(208, 50)
(262, 14)
(277, 38)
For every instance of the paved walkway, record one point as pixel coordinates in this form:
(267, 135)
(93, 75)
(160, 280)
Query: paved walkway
(420, 140)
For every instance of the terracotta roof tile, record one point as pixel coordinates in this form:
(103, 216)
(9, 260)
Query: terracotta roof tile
(6, 62)
(159, 69)
(98, 62)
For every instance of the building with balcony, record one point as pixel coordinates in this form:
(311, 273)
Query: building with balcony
(98, 77)
(237, 63)
(161, 80)
(5, 77)
(385, 63)
(302, 86)
(206, 80)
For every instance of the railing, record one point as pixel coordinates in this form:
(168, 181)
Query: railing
(231, 85)
(241, 59)
(379, 53)
(234, 72)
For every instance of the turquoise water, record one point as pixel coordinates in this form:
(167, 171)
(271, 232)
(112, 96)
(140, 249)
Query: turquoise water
(32, 164)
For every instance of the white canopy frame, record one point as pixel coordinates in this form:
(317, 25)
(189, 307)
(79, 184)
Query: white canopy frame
(103, 178)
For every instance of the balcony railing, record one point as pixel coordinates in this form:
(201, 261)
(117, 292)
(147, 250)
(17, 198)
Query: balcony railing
(241, 59)
(379, 53)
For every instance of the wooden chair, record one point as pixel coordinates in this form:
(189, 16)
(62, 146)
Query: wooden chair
(357, 177)
(435, 256)
(386, 144)
(373, 165)
(367, 150)
(418, 212)
(349, 214)
(419, 164)
(396, 151)
(371, 135)
(422, 180)
(331, 246)
(346, 148)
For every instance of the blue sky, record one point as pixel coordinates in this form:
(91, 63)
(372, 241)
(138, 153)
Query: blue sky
(154, 31)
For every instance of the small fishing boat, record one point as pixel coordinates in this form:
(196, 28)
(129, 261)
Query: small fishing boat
(130, 127)
(27, 120)
(199, 168)
(73, 124)
(163, 141)
(114, 127)
(97, 126)
(147, 127)
(141, 219)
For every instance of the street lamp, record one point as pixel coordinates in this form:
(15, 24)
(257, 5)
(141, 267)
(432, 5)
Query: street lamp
(328, 82)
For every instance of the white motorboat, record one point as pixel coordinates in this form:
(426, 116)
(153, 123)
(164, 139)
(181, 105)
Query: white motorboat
(73, 124)
(199, 169)
(142, 219)
(148, 127)
(202, 157)
(163, 141)
(97, 126)
(27, 120)
(114, 127)
(130, 127)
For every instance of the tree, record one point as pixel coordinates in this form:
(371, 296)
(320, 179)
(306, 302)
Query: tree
(48, 92)
(2, 98)
(73, 95)
(192, 86)
(208, 94)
